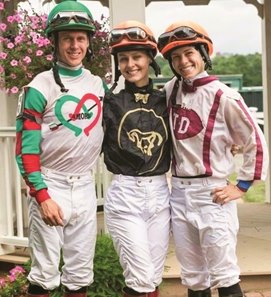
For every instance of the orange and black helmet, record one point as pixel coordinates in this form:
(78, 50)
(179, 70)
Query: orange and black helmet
(131, 35)
(183, 33)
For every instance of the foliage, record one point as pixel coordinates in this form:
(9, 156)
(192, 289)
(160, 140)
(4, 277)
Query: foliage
(14, 283)
(256, 193)
(248, 65)
(108, 277)
(26, 51)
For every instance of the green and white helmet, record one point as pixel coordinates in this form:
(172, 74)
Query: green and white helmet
(70, 15)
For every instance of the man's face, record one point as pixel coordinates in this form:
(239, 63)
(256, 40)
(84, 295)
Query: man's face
(72, 47)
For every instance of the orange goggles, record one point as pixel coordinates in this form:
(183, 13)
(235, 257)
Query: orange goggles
(133, 34)
(180, 33)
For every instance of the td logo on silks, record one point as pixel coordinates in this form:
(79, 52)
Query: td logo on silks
(78, 115)
(186, 123)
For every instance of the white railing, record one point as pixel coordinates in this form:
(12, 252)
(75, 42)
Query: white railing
(13, 206)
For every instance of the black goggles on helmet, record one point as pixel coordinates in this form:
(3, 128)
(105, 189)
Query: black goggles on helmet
(65, 19)
(180, 33)
(133, 34)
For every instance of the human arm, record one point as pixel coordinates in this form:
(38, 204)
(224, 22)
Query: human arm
(28, 140)
(245, 131)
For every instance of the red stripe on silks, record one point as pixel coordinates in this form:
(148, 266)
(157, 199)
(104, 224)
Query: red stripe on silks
(32, 191)
(259, 153)
(33, 112)
(31, 125)
(31, 163)
(18, 147)
(208, 133)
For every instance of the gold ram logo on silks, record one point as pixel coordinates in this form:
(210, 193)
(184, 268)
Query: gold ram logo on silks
(145, 141)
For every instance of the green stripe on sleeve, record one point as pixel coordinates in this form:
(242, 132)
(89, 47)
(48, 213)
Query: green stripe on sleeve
(36, 179)
(31, 141)
(35, 100)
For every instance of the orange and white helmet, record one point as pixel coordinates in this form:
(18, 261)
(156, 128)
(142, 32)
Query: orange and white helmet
(183, 33)
(131, 35)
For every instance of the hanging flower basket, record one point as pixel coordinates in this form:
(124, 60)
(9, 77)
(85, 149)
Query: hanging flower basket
(25, 51)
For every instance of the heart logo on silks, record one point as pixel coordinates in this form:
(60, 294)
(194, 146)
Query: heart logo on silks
(81, 112)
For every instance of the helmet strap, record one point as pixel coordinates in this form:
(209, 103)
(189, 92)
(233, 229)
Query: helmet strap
(55, 67)
(173, 70)
(58, 80)
(90, 52)
(154, 64)
(117, 74)
(202, 49)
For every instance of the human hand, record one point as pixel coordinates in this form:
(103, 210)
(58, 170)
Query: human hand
(226, 194)
(236, 149)
(51, 213)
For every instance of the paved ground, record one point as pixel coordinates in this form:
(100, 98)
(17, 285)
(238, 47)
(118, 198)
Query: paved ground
(173, 288)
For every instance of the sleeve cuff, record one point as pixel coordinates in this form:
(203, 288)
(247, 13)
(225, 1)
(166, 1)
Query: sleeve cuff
(42, 195)
(244, 185)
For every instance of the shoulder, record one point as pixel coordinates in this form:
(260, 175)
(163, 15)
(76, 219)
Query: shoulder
(42, 81)
(229, 93)
(170, 83)
(93, 77)
(115, 96)
(43, 77)
(168, 87)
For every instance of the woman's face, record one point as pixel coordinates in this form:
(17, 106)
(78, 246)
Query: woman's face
(134, 66)
(187, 62)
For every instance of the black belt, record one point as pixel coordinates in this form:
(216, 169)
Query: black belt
(195, 176)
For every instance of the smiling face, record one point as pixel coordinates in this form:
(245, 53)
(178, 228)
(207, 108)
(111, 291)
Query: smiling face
(187, 61)
(134, 66)
(72, 47)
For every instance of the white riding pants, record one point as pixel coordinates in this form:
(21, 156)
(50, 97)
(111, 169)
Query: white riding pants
(138, 219)
(205, 234)
(76, 196)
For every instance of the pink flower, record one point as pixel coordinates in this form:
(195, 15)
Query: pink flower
(10, 45)
(27, 59)
(14, 90)
(18, 39)
(17, 269)
(2, 282)
(49, 57)
(18, 18)
(12, 277)
(3, 27)
(11, 19)
(1, 6)
(14, 63)
(39, 53)
(3, 55)
(2, 70)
